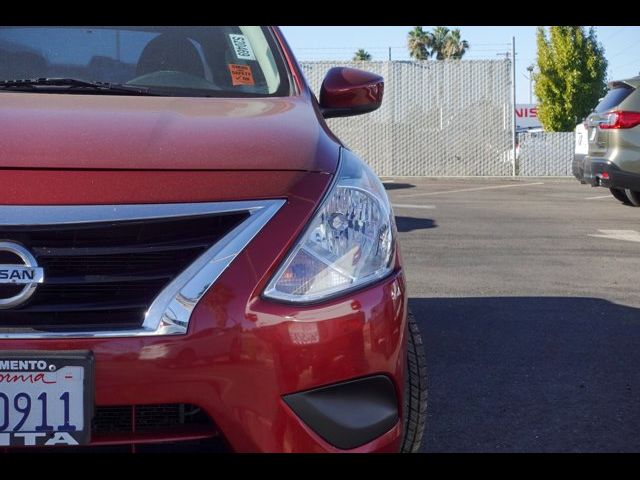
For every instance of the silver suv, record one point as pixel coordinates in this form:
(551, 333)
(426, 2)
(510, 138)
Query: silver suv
(613, 160)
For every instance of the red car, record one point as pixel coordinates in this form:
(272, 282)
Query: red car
(189, 258)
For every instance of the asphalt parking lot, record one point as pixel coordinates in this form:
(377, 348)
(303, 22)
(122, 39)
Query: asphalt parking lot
(527, 296)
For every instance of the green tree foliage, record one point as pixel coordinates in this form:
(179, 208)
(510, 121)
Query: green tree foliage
(439, 39)
(454, 46)
(418, 43)
(440, 43)
(570, 78)
(361, 56)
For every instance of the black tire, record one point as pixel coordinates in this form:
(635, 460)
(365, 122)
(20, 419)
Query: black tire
(415, 390)
(633, 198)
(620, 195)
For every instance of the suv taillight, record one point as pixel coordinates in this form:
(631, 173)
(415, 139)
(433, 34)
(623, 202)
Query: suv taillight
(621, 119)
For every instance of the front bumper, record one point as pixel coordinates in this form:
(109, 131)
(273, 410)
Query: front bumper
(238, 364)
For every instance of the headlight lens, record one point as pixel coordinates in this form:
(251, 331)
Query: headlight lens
(349, 243)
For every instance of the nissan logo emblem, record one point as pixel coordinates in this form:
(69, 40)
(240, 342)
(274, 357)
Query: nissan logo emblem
(26, 275)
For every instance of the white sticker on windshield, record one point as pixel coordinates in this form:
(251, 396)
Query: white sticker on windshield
(242, 47)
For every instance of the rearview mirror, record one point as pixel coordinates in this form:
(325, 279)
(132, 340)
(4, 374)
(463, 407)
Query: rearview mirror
(349, 91)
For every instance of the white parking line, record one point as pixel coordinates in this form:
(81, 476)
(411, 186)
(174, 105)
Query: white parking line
(469, 190)
(628, 235)
(595, 198)
(407, 205)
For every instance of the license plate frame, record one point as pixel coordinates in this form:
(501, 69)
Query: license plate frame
(60, 360)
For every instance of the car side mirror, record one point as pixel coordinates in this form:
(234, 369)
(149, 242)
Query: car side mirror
(349, 91)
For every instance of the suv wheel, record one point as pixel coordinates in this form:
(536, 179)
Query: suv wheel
(415, 390)
(633, 197)
(620, 195)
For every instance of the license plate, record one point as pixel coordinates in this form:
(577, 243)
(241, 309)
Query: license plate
(46, 398)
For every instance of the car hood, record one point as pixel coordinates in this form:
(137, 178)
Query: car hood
(71, 131)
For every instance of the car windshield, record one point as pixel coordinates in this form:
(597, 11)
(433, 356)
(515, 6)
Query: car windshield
(232, 61)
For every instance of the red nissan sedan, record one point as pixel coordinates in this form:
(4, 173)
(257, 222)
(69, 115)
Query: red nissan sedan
(189, 258)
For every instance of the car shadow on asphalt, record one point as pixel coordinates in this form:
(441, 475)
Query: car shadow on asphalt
(397, 186)
(531, 374)
(409, 224)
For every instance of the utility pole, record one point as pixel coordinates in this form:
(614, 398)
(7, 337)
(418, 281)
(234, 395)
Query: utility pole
(389, 53)
(513, 104)
(512, 55)
(530, 70)
(118, 45)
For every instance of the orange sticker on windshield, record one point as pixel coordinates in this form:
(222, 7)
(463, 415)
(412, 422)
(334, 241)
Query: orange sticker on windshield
(241, 75)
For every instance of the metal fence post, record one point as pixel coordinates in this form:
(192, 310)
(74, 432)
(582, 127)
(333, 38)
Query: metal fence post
(513, 104)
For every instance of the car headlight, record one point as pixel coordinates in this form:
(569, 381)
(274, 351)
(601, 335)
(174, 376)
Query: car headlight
(349, 243)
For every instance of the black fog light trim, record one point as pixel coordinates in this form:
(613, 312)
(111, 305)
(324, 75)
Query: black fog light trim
(349, 414)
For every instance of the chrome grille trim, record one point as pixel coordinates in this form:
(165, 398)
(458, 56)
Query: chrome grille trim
(33, 215)
(170, 312)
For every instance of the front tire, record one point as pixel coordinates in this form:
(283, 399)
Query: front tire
(633, 197)
(415, 390)
(620, 195)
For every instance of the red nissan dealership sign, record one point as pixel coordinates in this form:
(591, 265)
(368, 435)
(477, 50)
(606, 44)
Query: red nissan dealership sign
(527, 115)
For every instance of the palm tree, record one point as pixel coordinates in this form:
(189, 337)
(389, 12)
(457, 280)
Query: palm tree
(440, 43)
(418, 42)
(455, 48)
(361, 56)
(439, 39)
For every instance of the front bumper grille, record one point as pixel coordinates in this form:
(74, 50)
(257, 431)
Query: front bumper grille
(148, 418)
(107, 274)
(163, 428)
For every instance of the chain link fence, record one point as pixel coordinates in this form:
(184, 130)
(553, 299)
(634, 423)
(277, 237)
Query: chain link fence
(444, 118)
(546, 154)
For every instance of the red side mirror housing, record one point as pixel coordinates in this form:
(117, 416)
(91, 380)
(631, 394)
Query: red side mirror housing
(349, 91)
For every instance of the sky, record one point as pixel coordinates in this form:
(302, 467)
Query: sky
(621, 44)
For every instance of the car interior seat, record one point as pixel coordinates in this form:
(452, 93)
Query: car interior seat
(21, 65)
(170, 51)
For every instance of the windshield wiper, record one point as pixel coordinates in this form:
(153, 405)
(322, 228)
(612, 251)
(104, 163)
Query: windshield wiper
(35, 84)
